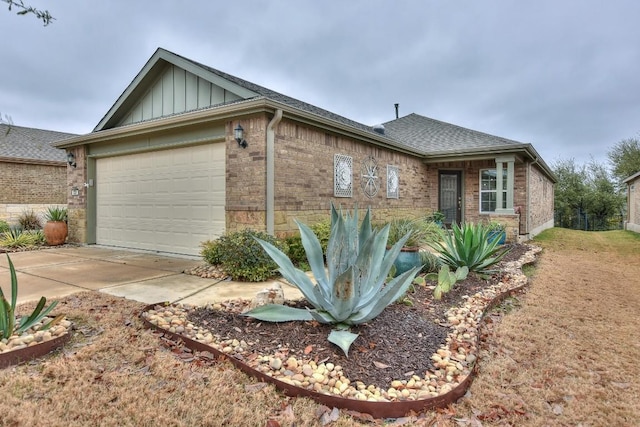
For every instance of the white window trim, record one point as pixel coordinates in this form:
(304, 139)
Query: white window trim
(498, 185)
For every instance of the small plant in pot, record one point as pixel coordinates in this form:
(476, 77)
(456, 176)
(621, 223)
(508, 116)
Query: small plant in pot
(409, 256)
(496, 231)
(55, 229)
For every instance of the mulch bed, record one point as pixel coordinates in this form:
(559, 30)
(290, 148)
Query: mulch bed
(395, 345)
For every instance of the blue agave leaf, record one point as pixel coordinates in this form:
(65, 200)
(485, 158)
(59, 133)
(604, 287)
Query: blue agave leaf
(342, 339)
(293, 275)
(278, 313)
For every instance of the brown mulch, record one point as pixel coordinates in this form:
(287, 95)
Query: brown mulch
(395, 345)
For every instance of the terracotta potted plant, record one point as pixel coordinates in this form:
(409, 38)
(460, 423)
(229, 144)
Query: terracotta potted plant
(55, 229)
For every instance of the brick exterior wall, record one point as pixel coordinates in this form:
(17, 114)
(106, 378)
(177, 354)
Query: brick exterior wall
(30, 187)
(77, 211)
(304, 183)
(541, 195)
(633, 212)
(26, 183)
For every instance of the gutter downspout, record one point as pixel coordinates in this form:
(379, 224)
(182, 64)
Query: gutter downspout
(271, 172)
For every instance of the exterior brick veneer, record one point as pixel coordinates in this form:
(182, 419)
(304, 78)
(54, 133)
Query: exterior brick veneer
(30, 187)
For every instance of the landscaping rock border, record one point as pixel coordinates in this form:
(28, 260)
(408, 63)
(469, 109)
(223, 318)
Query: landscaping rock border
(35, 347)
(455, 360)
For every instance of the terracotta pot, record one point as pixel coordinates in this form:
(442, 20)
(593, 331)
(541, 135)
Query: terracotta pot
(55, 232)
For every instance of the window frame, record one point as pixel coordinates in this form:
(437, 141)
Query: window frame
(494, 191)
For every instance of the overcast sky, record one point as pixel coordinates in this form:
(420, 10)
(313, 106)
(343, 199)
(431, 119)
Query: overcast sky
(561, 75)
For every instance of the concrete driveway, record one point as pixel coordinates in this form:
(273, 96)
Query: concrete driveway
(141, 276)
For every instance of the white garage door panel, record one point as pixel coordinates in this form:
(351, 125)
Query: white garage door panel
(167, 201)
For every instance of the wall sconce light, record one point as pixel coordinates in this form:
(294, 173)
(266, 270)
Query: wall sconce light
(71, 159)
(239, 136)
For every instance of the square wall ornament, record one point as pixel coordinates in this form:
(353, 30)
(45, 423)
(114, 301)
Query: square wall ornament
(342, 175)
(393, 182)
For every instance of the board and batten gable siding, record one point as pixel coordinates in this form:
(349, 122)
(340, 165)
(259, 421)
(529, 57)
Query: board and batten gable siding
(176, 91)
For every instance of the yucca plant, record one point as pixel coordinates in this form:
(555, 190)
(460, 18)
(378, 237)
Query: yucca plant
(351, 290)
(8, 325)
(17, 238)
(469, 246)
(56, 214)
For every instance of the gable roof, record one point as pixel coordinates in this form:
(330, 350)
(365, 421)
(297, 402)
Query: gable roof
(244, 89)
(29, 144)
(415, 134)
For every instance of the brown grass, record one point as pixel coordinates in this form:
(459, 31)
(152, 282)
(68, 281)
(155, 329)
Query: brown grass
(565, 355)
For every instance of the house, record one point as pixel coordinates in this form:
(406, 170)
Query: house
(633, 203)
(188, 152)
(33, 173)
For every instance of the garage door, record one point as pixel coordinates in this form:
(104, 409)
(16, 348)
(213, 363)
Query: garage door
(167, 201)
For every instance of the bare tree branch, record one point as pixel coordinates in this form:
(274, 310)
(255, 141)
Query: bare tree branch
(44, 15)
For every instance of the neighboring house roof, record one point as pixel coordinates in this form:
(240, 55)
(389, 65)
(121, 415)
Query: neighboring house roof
(28, 144)
(632, 177)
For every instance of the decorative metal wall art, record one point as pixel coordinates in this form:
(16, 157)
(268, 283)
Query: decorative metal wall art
(370, 177)
(342, 176)
(393, 182)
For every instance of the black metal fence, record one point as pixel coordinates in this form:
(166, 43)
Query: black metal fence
(579, 220)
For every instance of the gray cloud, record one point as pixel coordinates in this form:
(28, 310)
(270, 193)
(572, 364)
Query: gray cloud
(560, 75)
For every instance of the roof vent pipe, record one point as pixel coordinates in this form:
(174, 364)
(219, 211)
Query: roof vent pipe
(396, 105)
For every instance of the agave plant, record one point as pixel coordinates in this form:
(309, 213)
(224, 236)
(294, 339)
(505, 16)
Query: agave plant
(469, 246)
(351, 290)
(8, 325)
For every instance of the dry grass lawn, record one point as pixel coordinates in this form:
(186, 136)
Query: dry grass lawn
(564, 355)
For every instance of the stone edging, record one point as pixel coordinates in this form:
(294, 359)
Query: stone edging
(454, 361)
(15, 357)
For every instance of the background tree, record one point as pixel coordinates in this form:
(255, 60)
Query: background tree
(586, 196)
(570, 191)
(44, 15)
(625, 158)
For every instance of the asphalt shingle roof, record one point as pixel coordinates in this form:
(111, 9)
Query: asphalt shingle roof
(431, 136)
(31, 144)
(284, 99)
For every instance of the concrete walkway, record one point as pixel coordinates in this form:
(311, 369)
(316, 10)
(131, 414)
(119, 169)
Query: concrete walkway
(142, 276)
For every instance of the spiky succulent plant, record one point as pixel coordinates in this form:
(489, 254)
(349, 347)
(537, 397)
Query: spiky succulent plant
(351, 290)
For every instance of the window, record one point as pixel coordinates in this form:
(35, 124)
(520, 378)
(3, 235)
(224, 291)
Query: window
(488, 193)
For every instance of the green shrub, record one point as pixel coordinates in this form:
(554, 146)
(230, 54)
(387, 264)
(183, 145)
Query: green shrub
(211, 252)
(17, 238)
(4, 226)
(468, 245)
(29, 220)
(242, 257)
(322, 230)
(296, 252)
(430, 262)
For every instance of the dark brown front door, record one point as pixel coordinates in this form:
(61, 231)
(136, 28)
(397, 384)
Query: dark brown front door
(450, 197)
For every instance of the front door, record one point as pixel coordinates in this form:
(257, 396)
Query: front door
(450, 197)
